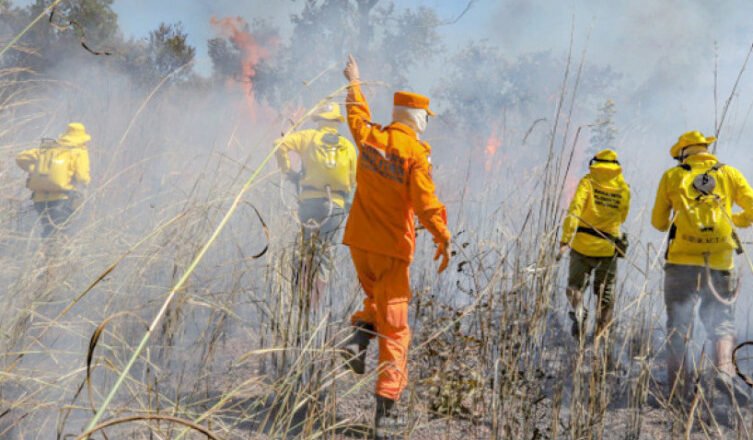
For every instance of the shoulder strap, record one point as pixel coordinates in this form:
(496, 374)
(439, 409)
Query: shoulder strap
(717, 166)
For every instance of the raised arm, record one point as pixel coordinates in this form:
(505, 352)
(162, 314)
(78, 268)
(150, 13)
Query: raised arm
(359, 115)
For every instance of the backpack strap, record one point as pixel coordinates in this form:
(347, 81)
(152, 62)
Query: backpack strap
(717, 166)
(670, 237)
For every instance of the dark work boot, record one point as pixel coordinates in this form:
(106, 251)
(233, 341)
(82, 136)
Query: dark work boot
(354, 348)
(725, 378)
(578, 327)
(727, 384)
(388, 424)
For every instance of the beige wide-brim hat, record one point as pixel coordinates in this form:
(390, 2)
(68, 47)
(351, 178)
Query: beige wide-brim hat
(75, 136)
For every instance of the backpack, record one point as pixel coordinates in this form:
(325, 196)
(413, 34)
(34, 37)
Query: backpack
(325, 157)
(51, 171)
(702, 224)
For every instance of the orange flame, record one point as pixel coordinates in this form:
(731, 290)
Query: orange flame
(490, 151)
(252, 53)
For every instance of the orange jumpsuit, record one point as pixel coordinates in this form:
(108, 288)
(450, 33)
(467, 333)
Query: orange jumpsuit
(393, 184)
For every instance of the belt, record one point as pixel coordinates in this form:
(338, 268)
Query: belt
(343, 194)
(598, 233)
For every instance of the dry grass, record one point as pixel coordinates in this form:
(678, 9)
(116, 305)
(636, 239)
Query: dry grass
(245, 351)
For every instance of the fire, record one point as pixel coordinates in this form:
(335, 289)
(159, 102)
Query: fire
(252, 53)
(490, 151)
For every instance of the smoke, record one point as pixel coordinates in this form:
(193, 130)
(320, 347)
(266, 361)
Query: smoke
(188, 150)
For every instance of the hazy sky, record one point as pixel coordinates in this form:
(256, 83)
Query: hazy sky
(640, 38)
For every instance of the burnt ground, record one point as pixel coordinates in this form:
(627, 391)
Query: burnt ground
(354, 405)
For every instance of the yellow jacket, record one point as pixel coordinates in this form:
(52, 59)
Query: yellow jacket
(730, 182)
(78, 170)
(601, 202)
(341, 178)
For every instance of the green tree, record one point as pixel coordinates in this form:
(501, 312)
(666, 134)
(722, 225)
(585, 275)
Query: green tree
(168, 50)
(94, 18)
(46, 44)
(225, 58)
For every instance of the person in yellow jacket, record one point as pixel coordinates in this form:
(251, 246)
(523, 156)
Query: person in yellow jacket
(327, 177)
(694, 203)
(591, 230)
(325, 182)
(56, 172)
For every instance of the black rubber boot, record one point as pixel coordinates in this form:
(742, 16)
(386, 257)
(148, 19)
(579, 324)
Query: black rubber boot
(727, 385)
(388, 425)
(354, 348)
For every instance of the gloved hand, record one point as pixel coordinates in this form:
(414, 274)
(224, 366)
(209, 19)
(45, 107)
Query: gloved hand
(740, 220)
(76, 199)
(351, 72)
(444, 251)
(563, 250)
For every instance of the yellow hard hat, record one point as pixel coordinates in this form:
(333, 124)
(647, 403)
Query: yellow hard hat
(330, 112)
(689, 139)
(605, 160)
(75, 135)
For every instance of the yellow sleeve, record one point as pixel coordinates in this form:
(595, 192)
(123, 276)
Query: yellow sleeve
(27, 158)
(81, 172)
(353, 155)
(626, 208)
(429, 210)
(744, 199)
(292, 142)
(660, 216)
(570, 224)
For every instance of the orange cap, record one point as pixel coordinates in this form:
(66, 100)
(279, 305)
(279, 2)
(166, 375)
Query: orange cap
(413, 100)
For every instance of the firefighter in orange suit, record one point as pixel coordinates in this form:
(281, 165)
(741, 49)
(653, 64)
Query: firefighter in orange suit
(394, 184)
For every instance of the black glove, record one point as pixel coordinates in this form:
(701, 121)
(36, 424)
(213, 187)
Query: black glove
(621, 245)
(293, 177)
